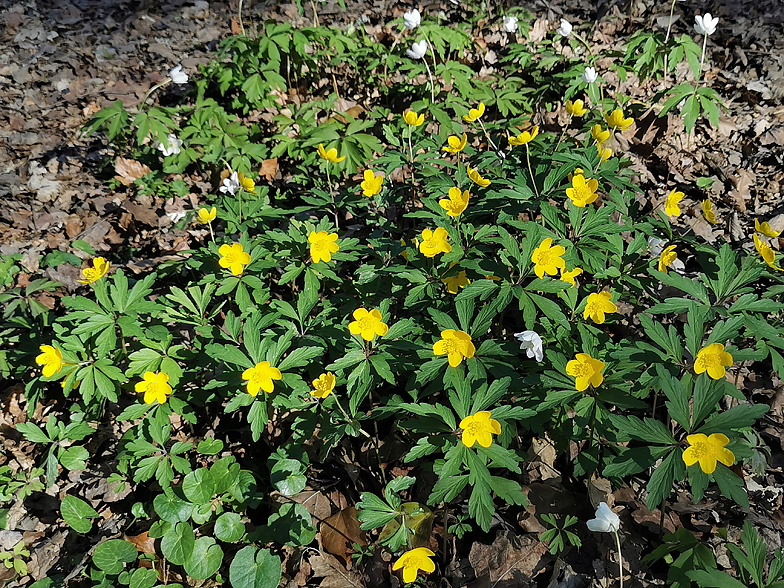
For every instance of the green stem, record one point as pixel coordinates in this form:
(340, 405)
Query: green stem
(667, 38)
(620, 558)
(155, 87)
(411, 153)
(530, 171)
(239, 18)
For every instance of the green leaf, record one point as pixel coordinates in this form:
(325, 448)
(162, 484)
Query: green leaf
(199, 486)
(660, 484)
(300, 357)
(171, 508)
(177, 544)
(229, 527)
(255, 568)
(205, 560)
(74, 458)
(731, 485)
(143, 578)
(210, 446)
(32, 432)
(738, 417)
(508, 490)
(112, 555)
(630, 461)
(77, 513)
(713, 578)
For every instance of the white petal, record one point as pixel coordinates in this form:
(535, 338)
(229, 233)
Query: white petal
(597, 526)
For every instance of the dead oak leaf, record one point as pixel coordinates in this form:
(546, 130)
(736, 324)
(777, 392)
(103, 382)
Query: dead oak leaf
(269, 169)
(129, 170)
(340, 531)
(509, 561)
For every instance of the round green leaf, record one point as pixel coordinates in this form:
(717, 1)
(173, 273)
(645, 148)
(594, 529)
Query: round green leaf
(74, 458)
(144, 578)
(210, 446)
(177, 544)
(229, 527)
(255, 568)
(77, 513)
(199, 486)
(205, 560)
(112, 555)
(172, 508)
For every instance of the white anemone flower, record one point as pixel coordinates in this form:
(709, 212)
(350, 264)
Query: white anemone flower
(418, 50)
(412, 19)
(510, 24)
(565, 29)
(589, 76)
(532, 343)
(171, 146)
(231, 184)
(606, 520)
(178, 76)
(705, 24)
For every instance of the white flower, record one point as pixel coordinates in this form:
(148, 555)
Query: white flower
(411, 19)
(606, 521)
(565, 29)
(417, 50)
(705, 24)
(532, 343)
(171, 146)
(231, 184)
(589, 76)
(510, 24)
(178, 76)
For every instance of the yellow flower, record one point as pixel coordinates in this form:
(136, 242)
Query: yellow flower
(322, 245)
(598, 134)
(95, 273)
(155, 387)
(323, 385)
(476, 178)
(260, 377)
(765, 229)
(597, 305)
(525, 136)
(547, 259)
(331, 155)
(586, 370)
(457, 202)
(583, 191)
(207, 215)
(372, 183)
(434, 242)
(414, 560)
(713, 359)
(576, 108)
(605, 153)
(233, 257)
(479, 428)
(249, 185)
(615, 120)
(457, 281)
(767, 253)
(569, 277)
(404, 253)
(456, 144)
(456, 345)
(368, 324)
(475, 113)
(51, 358)
(671, 206)
(708, 451)
(707, 210)
(666, 258)
(413, 119)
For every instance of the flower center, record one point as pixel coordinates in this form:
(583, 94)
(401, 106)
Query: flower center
(367, 323)
(582, 193)
(153, 388)
(230, 257)
(451, 346)
(319, 245)
(546, 258)
(711, 360)
(475, 428)
(700, 449)
(582, 370)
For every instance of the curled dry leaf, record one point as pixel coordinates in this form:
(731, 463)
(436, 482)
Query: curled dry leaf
(129, 170)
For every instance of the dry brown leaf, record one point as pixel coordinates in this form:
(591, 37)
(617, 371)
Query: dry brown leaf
(143, 542)
(509, 562)
(340, 531)
(129, 170)
(269, 169)
(334, 573)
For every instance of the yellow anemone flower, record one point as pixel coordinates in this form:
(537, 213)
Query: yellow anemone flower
(713, 359)
(155, 387)
(475, 113)
(456, 345)
(615, 120)
(576, 108)
(767, 253)
(476, 178)
(456, 281)
(479, 428)
(597, 305)
(413, 119)
(51, 358)
(667, 257)
(368, 324)
(671, 206)
(457, 202)
(456, 144)
(569, 276)
(434, 242)
(372, 183)
(525, 136)
(207, 215)
(598, 134)
(322, 246)
(249, 185)
(260, 377)
(95, 273)
(233, 257)
(583, 192)
(586, 370)
(331, 155)
(708, 451)
(323, 385)
(707, 210)
(413, 561)
(547, 259)
(765, 229)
